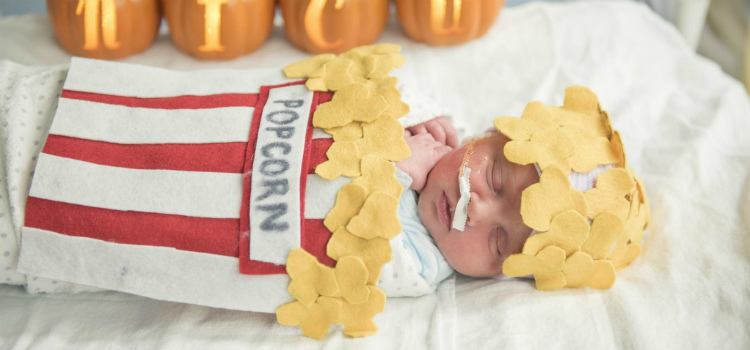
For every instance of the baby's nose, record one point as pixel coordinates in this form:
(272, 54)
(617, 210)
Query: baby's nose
(480, 211)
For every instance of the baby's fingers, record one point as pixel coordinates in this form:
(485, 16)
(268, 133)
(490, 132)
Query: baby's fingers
(437, 132)
(451, 136)
(417, 129)
(441, 151)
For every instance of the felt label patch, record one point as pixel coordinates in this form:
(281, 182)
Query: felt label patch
(275, 208)
(568, 251)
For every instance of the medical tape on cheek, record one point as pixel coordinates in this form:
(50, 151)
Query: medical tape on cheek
(460, 214)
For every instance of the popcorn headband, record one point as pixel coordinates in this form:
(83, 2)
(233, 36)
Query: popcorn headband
(584, 237)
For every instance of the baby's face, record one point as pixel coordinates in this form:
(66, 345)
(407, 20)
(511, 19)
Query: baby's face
(494, 229)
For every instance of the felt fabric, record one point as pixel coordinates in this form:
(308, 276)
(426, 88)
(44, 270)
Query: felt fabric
(151, 82)
(159, 191)
(175, 102)
(181, 276)
(682, 120)
(146, 186)
(137, 125)
(278, 161)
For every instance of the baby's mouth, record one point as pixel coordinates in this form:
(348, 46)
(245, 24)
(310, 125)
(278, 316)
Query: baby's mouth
(444, 211)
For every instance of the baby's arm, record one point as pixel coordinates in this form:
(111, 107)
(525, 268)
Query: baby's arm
(428, 142)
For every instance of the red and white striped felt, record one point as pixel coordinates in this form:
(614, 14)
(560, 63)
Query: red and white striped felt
(164, 166)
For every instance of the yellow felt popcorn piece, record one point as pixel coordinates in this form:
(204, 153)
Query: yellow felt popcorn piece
(377, 218)
(357, 318)
(628, 244)
(315, 320)
(546, 147)
(352, 103)
(309, 277)
(609, 193)
(607, 122)
(378, 174)
(305, 68)
(605, 229)
(546, 266)
(631, 228)
(619, 150)
(568, 231)
(351, 276)
(581, 99)
(396, 107)
(348, 201)
(630, 252)
(643, 198)
(590, 150)
(581, 270)
(535, 117)
(385, 139)
(553, 194)
(382, 64)
(332, 76)
(379, 82)
(374, 252)
(348, 132)
(343, 159)
(581, 109)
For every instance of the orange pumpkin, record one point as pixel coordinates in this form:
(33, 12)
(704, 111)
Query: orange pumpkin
(219, 29)
(321, 26)
(447, 22)
(105, 29)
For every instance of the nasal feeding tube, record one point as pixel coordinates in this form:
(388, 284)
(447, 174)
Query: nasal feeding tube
(460, 215)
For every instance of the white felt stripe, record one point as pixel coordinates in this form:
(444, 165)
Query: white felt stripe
(199, 194)
(320, 195)
(154, 272)
(275, 215)
(120, 124)
(114, 78)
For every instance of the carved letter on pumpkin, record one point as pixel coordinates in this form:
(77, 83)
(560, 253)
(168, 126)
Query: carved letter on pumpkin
(437, 17)
(212, 25)
(313, 23)
(90, 10)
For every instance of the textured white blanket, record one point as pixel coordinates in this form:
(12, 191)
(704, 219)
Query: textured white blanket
(685, 125)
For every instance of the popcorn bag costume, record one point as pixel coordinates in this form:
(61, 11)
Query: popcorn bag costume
(221, 188)
(261, 191)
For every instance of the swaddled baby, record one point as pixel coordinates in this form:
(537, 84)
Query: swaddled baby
(482, 202)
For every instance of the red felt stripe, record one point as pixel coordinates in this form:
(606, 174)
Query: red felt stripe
(226, 157)
(318, 149)
(203, 235)
(176, 102)
(315, 241)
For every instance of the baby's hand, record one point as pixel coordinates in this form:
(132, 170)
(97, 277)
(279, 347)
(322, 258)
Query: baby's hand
(425, 153)
(440, 129)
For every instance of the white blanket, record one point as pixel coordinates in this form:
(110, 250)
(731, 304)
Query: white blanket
(685, 125)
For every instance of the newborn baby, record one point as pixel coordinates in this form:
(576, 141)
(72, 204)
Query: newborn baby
(494, 228)
(549, 194)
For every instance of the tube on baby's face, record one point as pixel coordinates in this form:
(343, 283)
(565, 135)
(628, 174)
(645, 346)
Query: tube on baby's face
(460, 214)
